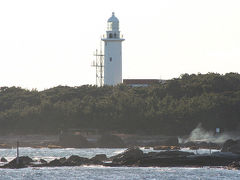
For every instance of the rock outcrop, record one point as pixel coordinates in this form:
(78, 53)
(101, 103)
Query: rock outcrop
(135, 157)
(24, 161)
(42, 161)
(234, 165)
(231, 146)
(3, 159)
(201, 145)
(73, 160)
(54, 163)
(99, 157)
(129, 157)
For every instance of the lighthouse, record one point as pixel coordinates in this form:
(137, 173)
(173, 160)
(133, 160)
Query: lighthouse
(112, 53)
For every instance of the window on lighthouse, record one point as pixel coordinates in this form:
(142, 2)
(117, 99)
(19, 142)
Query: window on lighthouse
(110, 59)
(110, 26)
(110, 35)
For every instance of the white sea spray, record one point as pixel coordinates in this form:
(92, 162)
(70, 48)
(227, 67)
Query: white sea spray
(199, 134)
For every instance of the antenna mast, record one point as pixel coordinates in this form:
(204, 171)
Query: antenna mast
(98, 64)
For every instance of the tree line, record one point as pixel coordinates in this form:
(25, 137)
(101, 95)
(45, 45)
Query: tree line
(174, 107)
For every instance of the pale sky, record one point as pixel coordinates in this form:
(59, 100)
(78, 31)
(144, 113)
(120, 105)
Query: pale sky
(46, 43)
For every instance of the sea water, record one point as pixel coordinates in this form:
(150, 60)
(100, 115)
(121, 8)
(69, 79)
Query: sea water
(100, 172)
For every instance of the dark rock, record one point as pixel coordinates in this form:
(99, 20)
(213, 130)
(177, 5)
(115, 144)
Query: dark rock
(151, 154)
(62, 160)
(214, 145)
(110, 141)
(71, 161)
(203, 145)
(189, 144)
(43, 161)
(3, 159)
(227, 145)
(161, 160)
(95, 162)
(234, 165)
(207, 145)
(76, 161)
(231, 146)
(135, 157)
(100, 157)
(24, 161)
(172, 154)
(129, 157)
(55, 163)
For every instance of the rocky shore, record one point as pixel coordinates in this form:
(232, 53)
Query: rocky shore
(171, 156)
(134, 157)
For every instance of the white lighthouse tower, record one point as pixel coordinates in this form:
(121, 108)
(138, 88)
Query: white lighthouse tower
(112, 53)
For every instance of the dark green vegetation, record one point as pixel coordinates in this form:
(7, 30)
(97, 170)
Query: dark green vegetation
(175, 107)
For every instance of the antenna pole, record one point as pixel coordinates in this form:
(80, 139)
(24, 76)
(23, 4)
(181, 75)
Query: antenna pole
(17, 160)
(98, 64)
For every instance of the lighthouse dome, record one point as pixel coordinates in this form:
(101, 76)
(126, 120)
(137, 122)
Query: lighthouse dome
(113, 18)
(113, 23)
